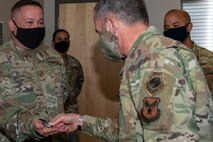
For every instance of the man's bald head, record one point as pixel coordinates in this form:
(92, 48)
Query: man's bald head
(176, 18)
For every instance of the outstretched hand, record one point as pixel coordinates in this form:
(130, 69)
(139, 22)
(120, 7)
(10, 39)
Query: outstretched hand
(40, 128)
(66, 122)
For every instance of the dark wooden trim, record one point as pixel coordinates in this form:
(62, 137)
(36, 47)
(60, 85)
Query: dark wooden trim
(58, 2)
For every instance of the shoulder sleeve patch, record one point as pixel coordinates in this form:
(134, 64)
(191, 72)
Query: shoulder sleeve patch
(155, 83)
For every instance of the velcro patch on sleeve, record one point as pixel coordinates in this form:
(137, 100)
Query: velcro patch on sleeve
(150, 111)
(158, 89)
(155, 83)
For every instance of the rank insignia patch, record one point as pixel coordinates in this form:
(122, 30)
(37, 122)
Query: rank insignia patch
(155, 83)
(150, 111)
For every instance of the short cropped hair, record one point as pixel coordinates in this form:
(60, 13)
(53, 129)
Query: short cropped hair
(60, 30)
(128, 11)
(22, 3)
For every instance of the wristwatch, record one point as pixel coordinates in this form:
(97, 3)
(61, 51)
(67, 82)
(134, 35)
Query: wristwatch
(80, 122)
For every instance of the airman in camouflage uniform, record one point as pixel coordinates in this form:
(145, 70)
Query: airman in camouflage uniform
(163, 92)
(178, 25)
(30, 77)
(74, 78)
(158, 94)
(30, 89)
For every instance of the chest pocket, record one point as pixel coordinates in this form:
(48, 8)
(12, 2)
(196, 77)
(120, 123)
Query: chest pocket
(49, 75)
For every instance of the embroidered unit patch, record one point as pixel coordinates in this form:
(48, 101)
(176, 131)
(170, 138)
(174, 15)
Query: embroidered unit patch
(155, 83)
(150, 111)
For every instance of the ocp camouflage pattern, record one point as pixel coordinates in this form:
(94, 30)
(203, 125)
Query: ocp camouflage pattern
(205, 59)
(74, 82)
(30, 88)
(166, 75)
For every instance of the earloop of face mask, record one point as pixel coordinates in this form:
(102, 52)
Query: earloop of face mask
(109, 47)
(187, 24)
(15, 23)
(113, 38)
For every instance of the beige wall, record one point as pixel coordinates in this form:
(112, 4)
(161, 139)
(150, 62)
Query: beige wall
(158, 8)
(5, 7)
(49, 14)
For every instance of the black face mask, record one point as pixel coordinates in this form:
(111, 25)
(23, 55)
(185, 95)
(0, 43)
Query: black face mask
(61, 46)
(30, 38)
(179, 33)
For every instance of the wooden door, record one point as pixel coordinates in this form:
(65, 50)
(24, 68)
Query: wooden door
(99, 96)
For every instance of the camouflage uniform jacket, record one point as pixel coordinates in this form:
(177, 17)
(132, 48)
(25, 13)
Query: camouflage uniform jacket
(75, 79)
(205, 59)
(163, 96)
(30, 88)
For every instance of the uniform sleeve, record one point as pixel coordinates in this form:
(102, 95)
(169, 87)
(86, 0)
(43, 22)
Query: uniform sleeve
(172, 101)
(79, 80)
(155, 102)
(106, 129)
(203, 100)
(16, 118)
